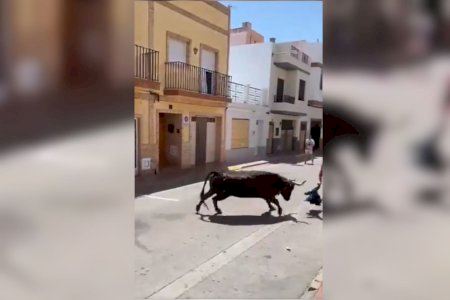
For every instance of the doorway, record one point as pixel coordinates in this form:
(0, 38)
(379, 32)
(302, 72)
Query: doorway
(315, 133)
(302, 138)
(200, 140)
(287, 135)
(136, 146)
(280, 90)
(208, 61)
(169, 139)
(269, 149)
(259, 136)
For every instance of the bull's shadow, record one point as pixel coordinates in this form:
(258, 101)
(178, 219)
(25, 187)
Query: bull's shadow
(243, 220)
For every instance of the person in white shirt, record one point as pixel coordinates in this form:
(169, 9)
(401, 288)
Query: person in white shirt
(310, 149)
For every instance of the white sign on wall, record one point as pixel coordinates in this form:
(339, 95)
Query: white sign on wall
(185, 120)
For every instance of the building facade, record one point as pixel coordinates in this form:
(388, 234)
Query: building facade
(181, 83)
(247, 123)
(289, 75)
(245, 35)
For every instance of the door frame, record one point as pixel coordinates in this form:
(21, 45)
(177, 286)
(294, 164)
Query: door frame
(136, 146)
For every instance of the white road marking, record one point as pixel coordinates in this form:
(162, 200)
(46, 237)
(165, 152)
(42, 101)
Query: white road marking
(195, 276)
(162, 198)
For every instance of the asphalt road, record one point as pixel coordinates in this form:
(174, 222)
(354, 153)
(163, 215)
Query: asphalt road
(244, 253)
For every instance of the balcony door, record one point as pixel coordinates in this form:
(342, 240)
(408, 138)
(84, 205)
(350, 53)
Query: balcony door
(208, 64)
(280, 90)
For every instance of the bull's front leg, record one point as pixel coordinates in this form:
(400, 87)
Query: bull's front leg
(280, 210)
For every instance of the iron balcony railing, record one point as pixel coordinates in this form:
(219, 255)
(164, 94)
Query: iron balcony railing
(240, 93)
(146, 63)
(284, 98)
(186, 77)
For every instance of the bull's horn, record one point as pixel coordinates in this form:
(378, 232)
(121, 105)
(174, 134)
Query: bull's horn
(299, 184)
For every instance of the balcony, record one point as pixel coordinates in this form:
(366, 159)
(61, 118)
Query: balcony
(245, 94)
(315, 103)
(185, 79)
(284, 98)
(291, 58)
(146, 67)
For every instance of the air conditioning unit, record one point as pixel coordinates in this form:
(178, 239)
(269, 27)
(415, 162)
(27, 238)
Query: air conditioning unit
(146, 163)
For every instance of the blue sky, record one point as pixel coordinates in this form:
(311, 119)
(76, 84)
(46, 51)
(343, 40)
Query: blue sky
(284, 20)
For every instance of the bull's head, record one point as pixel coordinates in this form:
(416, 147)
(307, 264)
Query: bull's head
(286, 190)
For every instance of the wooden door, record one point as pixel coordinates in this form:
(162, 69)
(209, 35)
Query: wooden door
(302, 137)
(269, 149)
(200, 140)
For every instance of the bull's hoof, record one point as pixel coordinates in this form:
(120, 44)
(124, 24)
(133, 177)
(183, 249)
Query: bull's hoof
(197, 209)
(218, 212)
(280, 213)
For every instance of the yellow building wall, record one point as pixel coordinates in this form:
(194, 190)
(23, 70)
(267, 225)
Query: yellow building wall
(141, 28)
(206, 11)
(166, 19)
(147, 109)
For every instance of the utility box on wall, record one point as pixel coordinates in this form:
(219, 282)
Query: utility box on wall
(146, 164)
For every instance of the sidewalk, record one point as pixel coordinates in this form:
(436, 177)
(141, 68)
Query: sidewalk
(174, 177)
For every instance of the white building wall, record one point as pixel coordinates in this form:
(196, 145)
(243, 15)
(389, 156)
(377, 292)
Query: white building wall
(257, 142)
(251, 64)
(315, 51)
(210, 142)
(254, 65)
(249, 112)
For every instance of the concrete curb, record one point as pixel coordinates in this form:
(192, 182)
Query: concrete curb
(247, 165)
(314, 290)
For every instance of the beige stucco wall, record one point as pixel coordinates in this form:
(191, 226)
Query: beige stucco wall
(201, 24)
(147, 111)
(141, 23)
(167, 19)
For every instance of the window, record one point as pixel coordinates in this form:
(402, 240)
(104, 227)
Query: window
(301, 90)
(294, 52)
(305, 58)
(240, 133)
(177, 50)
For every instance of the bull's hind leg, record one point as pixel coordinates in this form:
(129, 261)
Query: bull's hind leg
(271, 208)
(280, 210)
(217, 198)
(203, 198)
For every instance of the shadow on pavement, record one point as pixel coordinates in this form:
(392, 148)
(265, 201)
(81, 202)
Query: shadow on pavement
(242, 220)
(314, 214)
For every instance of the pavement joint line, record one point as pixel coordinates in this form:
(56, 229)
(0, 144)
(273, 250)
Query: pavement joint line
(193, 277)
